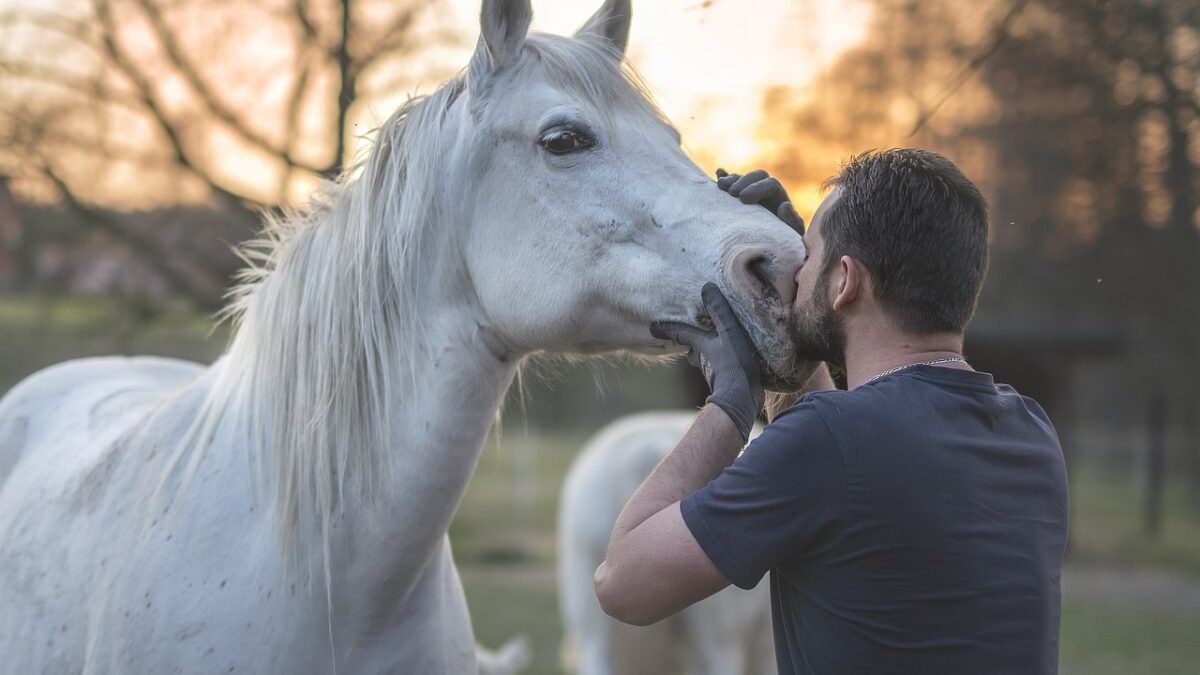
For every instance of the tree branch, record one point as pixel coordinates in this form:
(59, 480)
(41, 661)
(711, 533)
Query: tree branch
(147, 97)
(307, 27)
(347, 88)
(208, 97)
(302, 64)
(391, 39)
(147, 250)
(999, 36)
(51, 21)
(73, 83)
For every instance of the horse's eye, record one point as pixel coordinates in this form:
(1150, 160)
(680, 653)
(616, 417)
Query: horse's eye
(564, 140)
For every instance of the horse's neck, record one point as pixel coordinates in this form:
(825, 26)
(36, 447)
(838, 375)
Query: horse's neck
(449, 406)
(454, 404)
(371, 443)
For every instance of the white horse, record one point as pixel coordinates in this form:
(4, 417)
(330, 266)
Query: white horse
(726, 634)
(285, 510)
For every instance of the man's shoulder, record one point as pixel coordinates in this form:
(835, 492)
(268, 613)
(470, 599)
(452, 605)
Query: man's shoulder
(1030, 404)
(832, 404)
(864, 413)
(810, 409)
(811, 422)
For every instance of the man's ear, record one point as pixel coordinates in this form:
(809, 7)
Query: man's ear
(850, 280)
(503, 25)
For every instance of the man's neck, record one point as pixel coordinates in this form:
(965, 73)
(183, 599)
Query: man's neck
(874, 352)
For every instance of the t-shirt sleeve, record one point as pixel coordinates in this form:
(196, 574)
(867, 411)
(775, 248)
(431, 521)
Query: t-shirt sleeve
(782, 499)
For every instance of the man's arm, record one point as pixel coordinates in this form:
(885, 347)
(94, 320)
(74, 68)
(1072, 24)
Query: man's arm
(654, 566)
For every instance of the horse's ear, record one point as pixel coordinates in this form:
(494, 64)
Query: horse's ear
(503, 25)
(609, 23)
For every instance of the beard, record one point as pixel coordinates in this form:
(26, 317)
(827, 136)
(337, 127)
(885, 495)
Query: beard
(817, 330)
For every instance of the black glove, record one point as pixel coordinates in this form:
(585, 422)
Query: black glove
(726, 356)
(757, 187)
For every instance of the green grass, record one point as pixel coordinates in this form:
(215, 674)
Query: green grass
(509, 601)
(1102, 639)
(508, 509)
(503, 541)
(1107, 525)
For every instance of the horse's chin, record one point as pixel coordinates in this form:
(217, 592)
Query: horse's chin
(766, 319)
(780, 367)
(783, 369)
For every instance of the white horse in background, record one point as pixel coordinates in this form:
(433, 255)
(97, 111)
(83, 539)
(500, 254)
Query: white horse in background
(728, 633)
(285, 510)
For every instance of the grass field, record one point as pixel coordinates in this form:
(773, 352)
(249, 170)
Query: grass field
(1132, 603)
(1106, 526)
(1099, 638)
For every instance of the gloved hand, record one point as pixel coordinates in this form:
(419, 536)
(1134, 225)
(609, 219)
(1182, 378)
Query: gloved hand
(726, 356)
(757, 187)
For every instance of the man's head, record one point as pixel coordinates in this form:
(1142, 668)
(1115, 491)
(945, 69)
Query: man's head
(905, 232)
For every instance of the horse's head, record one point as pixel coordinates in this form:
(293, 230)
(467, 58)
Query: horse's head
(586, 219)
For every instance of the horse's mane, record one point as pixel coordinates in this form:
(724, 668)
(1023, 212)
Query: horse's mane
(321, 314)
(326, 309)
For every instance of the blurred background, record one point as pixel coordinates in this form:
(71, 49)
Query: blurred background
(141, 139)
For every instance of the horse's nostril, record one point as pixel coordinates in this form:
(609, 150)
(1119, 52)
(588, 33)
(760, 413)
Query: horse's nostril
(760, 268)
(765, 273)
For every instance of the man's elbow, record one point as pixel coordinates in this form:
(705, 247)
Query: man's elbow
(618, 601)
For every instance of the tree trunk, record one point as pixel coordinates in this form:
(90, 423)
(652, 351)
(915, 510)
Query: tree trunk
(16, 237)
(347, 91)
(1181, 252)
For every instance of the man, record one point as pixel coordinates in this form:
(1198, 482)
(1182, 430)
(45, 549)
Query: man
(914, 523)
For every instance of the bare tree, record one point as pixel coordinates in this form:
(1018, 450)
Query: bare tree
(245, 104)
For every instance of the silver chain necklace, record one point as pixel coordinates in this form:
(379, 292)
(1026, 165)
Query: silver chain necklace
(936, 362)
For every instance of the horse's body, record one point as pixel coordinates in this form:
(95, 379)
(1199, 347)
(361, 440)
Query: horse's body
(89, 586)
(726, 634)
(285, 510)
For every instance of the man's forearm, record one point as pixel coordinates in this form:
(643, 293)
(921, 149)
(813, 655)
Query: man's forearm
(710, 445)
(654, 566)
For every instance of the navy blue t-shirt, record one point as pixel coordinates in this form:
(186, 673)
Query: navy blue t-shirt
(915, 524)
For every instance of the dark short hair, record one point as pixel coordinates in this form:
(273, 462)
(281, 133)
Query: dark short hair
(920, 227)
